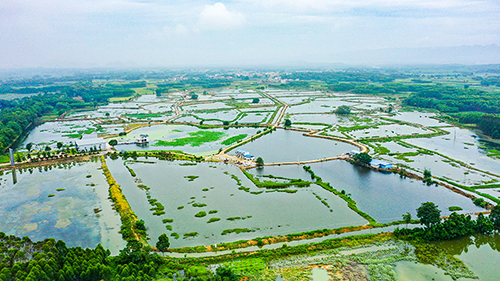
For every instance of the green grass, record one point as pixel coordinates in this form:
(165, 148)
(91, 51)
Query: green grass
(236, 230)
(199, 205)
(200, 214)
(191, 178)
(213, 211)
(454, 208)
(51, 195)
(4, 158)
(234, 139)
(213, 220)
(73, 136)
(61, 189)
(195, 139)
(190, 234)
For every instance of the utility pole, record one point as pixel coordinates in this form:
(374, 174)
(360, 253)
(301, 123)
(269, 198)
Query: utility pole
(11, 153)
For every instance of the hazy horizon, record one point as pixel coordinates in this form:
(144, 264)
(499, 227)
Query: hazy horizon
(152, 33)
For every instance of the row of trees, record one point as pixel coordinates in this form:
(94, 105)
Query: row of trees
(49, 260)
(489, 124)
(15, 116)
(456, 225)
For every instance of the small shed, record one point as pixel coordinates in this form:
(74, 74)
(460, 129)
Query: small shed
(142, 139)
(380, 164)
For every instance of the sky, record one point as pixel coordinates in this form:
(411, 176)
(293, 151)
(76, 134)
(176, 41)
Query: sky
(164, 33)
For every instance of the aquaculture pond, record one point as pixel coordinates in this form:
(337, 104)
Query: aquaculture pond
(52, 132)
(320, 105)
(290, 146)
(203, 201)
(387, 196)
(65, 201)
(189, 139)
(421, 118)
(387, 131)
(462, 145)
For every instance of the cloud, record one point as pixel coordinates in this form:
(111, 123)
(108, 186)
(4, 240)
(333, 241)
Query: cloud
(218, 17)
(343, 5)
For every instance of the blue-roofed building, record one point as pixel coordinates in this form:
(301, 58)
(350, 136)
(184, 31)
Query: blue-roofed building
(380, 164)
(244, 154)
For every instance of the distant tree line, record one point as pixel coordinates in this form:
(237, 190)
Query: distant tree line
(451, 99)
(16, 115)
(343, 76)
(489, 124)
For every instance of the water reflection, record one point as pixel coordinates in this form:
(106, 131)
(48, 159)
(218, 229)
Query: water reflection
(458, 246)
(14, 176)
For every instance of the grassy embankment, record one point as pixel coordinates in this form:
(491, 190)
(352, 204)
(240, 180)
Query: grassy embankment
(128, 218)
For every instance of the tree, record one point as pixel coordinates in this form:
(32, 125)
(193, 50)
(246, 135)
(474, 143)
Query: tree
(407, 218)
(429, 214)
(113, 142)
(163, 243)
(226, 274)
(255, 100)
(47, 148)
(343, 109)
(484, 224)
(495, 215)
(427, 174)
(194, 96)
(29, 146)
(260, 162)
(59, 145)
(362, 158)
(288, 123)
(140, 225)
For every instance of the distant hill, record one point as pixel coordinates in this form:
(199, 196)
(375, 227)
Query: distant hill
(489, 54)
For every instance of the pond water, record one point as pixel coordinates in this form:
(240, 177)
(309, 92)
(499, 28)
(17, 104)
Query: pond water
(254, 117)
(320, 105)
(441, 167)
(317, 118)
(171, 132)
(81, 214)
(480, 253)
(159, 107)
(52, 132)
(289, 146)
(267, 213)
(292, 100)
(386, 197)
(412, 271)
(319, 274)
(226, 115)
(422, 118)
(205, 106)
(460, 144)
(388, 131)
